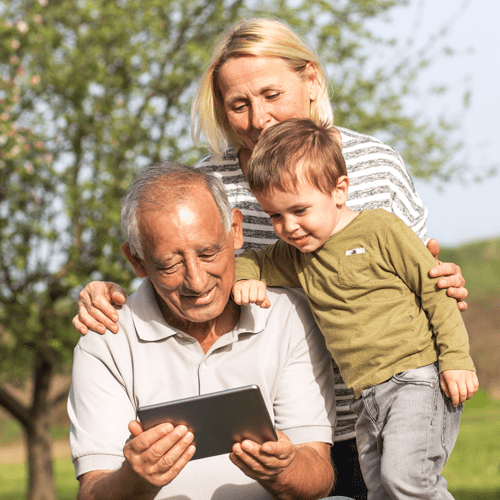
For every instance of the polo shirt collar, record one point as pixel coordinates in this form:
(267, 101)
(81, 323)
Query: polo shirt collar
(151, 326)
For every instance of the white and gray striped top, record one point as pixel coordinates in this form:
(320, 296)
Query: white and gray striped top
(378, 179)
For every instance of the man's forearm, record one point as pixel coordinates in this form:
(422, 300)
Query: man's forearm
(121, 484)
(309, 476)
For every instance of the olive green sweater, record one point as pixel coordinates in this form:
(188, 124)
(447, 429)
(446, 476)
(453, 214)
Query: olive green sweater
(369, 290)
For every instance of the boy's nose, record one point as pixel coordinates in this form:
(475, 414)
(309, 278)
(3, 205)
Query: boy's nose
(290, 225)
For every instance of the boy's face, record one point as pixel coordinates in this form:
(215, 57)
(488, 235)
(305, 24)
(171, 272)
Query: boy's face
(307, 217)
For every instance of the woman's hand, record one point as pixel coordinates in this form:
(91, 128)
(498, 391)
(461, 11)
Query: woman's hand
(452, 278)
(95, 309)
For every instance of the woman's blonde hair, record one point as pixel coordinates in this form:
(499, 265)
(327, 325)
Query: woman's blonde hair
(251, 37)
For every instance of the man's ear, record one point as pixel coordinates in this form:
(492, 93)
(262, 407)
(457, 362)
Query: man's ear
(134, 260)
(237, 228)
(341, 190)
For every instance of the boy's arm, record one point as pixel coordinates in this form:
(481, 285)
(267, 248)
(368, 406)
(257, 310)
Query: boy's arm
(274, 265)
(412, 261)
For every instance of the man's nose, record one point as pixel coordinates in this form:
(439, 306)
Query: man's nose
(195, 278)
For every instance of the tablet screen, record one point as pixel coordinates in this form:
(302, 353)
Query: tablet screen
(217, 420)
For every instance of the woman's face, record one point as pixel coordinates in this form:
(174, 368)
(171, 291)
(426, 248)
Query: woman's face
(259, 92)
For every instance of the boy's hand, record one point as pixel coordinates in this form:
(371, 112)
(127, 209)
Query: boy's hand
(251, 292)
(459, 385)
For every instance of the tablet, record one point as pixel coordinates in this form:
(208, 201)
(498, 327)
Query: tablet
(217, 420)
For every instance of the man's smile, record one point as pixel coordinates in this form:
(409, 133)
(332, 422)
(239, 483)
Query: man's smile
(200, 299)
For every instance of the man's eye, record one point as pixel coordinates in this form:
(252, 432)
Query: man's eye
(170, 269)
(272, 96)
(209, 256)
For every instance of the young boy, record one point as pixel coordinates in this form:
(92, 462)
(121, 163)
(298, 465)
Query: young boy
(396, 337)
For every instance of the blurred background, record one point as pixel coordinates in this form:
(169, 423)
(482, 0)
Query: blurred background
(91, 91)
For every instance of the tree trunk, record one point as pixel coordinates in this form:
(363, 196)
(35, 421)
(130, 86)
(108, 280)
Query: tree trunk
(41, 483)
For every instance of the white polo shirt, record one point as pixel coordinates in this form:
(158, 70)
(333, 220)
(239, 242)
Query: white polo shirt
(280, 349)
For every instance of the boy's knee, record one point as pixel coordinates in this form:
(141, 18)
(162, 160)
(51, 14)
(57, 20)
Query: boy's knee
(403, 480)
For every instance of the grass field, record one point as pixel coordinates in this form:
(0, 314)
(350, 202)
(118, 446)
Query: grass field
(472, 472)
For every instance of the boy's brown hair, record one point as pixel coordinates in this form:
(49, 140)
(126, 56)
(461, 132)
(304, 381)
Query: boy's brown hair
(296, 150)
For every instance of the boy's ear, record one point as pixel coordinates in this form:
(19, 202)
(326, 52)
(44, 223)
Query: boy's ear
(341, 190)
(134, 260)
(237, 228)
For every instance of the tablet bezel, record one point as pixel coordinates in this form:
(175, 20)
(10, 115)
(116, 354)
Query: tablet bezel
(217, 420)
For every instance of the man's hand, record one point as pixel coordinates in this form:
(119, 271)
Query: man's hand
(452, 277)
(251, 292)
(95, 310)
(153, 459)
(159, 454)
(263, 462)
(459, 385)
(287, 471)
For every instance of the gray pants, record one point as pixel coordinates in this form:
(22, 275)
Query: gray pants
(405, 432)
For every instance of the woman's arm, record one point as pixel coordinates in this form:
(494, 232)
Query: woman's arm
(95, 309)
(450, 277)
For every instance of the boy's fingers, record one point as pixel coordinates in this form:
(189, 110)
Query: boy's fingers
(266, 304)
(472, 385)
(444, 386)
(463, 392)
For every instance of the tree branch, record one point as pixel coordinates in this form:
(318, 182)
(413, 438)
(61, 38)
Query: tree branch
(14, 406)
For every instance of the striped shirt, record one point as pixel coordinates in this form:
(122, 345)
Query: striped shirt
(377, 179)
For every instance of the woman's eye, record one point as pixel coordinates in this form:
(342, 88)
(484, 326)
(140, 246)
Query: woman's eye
(239, 108)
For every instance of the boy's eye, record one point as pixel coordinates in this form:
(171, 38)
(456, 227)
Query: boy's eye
(274, 216)
(300, 211)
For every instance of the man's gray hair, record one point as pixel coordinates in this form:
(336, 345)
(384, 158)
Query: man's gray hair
(165, 185)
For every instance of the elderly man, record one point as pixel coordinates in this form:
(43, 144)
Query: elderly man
(181, 335)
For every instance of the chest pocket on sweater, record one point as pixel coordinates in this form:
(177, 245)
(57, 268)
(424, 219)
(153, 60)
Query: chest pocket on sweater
(354, 270)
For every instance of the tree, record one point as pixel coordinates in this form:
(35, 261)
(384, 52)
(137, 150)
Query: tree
(90, 91)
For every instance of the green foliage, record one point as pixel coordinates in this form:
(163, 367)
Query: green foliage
(10, 432)
(91, 91)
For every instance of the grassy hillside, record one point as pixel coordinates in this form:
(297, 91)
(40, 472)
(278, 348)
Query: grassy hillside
(480, 263)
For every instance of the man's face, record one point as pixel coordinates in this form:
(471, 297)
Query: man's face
(189, 257)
